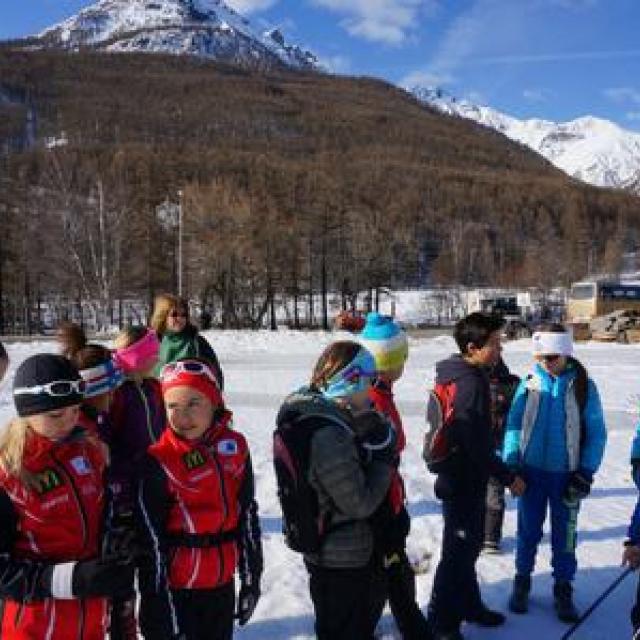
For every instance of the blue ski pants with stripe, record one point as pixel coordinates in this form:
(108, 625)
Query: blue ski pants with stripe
(544, 491)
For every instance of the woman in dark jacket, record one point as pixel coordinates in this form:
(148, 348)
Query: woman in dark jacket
(179, 338)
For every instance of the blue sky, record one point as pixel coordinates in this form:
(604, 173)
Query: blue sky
(555, 59)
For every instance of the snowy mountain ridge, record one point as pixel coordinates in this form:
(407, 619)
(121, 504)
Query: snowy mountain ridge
(590, 149)
(204, 28)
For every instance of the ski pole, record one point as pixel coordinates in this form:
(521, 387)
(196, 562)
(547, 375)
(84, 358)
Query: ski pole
(597, 602)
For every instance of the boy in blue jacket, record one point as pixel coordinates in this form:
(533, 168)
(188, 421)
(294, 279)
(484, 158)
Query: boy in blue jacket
(555, 437)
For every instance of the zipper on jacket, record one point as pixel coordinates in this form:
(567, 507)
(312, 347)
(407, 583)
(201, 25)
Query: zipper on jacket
(147, 411)
(225, 505)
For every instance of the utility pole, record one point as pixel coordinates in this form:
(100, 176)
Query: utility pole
(180, 224)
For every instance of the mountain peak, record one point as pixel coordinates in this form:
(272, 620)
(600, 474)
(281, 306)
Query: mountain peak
(588, 148)
(203, 28)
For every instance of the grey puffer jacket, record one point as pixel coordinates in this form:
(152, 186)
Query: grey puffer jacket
(349, 491)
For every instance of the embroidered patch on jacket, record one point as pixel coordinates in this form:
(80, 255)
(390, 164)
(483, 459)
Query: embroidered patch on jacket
(48, 480)
(81, 466)
(227, 447)
(193, 459)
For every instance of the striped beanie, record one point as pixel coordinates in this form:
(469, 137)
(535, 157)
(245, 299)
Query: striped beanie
(386, 341)
(102, 378)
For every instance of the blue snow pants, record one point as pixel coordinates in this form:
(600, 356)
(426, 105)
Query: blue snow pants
(545, 488)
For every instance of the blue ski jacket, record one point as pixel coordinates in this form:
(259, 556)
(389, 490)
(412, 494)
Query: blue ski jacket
(546, 444)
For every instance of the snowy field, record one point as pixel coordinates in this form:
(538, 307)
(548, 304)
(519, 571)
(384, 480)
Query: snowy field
(261, 368)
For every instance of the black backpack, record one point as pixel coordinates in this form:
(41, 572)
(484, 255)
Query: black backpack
(302, 524)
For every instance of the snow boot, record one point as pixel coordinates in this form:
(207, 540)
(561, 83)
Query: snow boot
(519, 600)
(563, 599)
(485, 617)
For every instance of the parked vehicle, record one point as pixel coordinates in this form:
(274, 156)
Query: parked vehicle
(616, 326)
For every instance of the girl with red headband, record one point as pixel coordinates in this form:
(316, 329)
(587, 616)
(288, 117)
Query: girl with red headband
(198, 515)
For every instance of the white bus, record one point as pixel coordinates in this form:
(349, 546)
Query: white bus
(589, 299)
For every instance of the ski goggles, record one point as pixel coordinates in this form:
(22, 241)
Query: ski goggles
(101, 379)
(355, 377)
(55, 389)
(194, 374)
(173, 370)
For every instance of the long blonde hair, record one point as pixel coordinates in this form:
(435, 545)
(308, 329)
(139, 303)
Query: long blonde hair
(162, 306)
(13, 442)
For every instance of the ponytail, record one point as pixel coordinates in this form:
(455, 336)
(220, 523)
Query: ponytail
(12, 446)
(582, 381)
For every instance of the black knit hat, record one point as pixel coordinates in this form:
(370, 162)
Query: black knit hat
(40, 370)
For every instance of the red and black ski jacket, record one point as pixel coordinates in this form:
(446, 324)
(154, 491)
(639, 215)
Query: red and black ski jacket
(56, 517)
(381, 395)
(198, 515)
(471, 428)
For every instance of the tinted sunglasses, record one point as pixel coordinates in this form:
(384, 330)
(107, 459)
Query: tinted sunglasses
(193, 367)
(178, 314)
(55, 389)
(552, 358)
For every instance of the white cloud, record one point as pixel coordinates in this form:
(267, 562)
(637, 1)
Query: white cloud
(250, 6)
(623, 94)
(488, 31)
(388, 21)
(486, 26)
(565, 56)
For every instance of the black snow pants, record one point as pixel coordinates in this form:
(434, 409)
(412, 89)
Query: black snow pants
(394, 580)
(341, 602)
(456, 594)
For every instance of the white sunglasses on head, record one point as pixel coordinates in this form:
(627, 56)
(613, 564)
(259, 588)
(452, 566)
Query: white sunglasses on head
(56, 389)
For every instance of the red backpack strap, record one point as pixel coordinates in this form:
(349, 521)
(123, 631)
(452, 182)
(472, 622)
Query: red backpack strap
(445, 393)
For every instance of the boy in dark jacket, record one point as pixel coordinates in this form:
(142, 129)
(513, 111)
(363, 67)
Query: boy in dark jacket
(502, 384)
(462, 486)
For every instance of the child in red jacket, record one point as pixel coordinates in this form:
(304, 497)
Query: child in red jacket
(55, 577)
(395, 576)
(197, 514)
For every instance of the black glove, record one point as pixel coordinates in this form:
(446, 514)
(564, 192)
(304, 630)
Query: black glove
(377, 436)
(247, 601)
(120, 542)
(578, 486)
(102, 578)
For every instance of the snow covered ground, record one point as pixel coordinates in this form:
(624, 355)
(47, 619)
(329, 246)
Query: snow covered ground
(262, 367)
